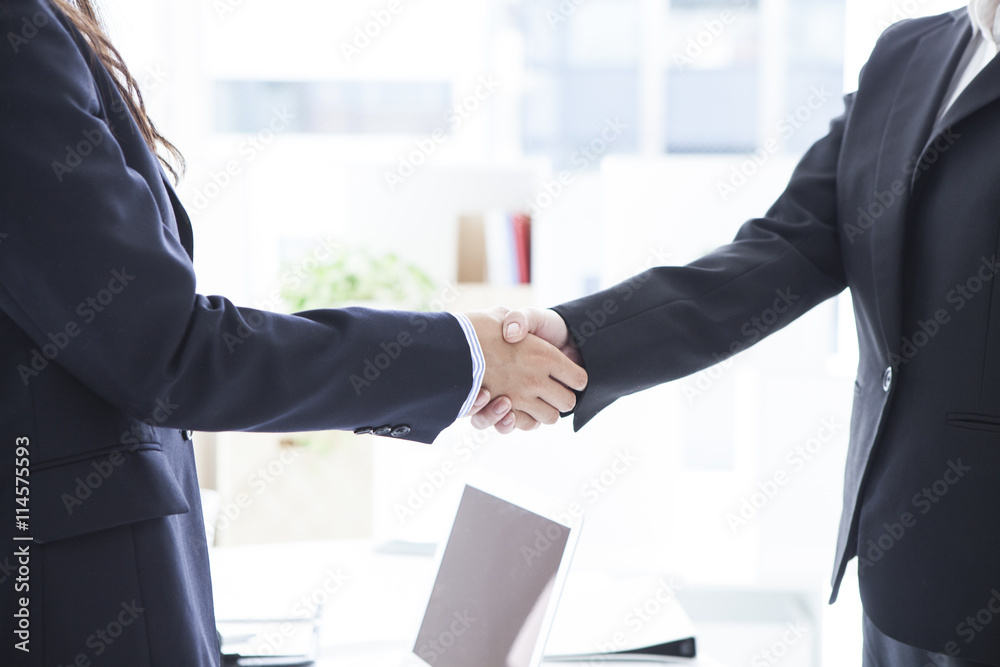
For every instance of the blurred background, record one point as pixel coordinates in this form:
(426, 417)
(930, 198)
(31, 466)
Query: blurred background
(372, 152)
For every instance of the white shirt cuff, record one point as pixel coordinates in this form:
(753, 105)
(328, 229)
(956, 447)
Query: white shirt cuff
(478, 362)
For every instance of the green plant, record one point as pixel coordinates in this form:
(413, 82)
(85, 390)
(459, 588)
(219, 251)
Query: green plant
(351, 276)
(355, 275)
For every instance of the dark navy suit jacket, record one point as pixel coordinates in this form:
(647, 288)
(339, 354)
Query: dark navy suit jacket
(905, 211)
(108, 355)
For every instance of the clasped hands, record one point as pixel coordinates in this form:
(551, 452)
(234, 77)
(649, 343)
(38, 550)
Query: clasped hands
(532, 366)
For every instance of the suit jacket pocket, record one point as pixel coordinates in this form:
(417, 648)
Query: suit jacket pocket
(116, 487)
(973, 421)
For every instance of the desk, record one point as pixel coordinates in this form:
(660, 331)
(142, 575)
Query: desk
(372, 602)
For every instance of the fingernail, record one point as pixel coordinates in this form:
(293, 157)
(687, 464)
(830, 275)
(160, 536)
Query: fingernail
(482, 399)
(502, 406)
(508, 420)
(513, 329)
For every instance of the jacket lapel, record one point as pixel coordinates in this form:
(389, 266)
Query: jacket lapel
(983, 90)
(908, 131)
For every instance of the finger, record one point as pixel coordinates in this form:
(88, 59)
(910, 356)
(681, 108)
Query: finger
(541, 411)
(481, 400)
(545, 324)
(525, 422)
(506, 425)
(573, 352)
(516, 326)
(492, 413)
(557, 396)
(566, 371)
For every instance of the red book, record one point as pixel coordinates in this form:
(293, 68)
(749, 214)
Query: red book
(522, 246)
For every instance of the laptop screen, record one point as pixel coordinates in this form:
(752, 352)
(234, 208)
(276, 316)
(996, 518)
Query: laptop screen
(493, 586)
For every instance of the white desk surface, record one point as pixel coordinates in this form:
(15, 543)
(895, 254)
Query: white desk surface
(373, 602)
(400, 659)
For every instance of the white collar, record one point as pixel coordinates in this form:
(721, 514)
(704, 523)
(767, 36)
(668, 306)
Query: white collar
(985, 15)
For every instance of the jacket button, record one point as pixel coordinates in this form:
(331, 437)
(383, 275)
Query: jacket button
(887, 379)
(364, 430)
(400, 431)
(382, 430)
(187, 435)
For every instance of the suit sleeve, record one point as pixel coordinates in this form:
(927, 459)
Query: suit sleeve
(91, 269)
(670, 322)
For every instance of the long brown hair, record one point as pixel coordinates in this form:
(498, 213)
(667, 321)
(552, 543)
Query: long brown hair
(84, 16)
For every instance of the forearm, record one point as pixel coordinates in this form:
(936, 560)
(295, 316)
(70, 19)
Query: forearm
(670, 322)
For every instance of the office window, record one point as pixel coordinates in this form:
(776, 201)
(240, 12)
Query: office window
(815, 69)
(689, 76)
(341, 107)
(582, 70)
(712, 77)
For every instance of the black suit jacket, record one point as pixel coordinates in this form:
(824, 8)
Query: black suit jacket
(904, 211)
(108, 355)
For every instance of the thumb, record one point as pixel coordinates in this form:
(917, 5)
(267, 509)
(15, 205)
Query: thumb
(518, 324)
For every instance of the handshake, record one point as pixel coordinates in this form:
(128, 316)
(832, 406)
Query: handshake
(532, 368)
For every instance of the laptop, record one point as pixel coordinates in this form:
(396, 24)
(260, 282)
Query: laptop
(498, 582)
